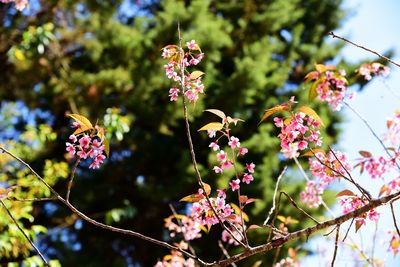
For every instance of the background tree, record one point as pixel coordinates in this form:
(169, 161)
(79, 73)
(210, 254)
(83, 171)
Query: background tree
(102, 59)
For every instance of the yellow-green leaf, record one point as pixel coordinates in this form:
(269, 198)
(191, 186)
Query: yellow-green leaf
(84, 123)
(214, 126)
(106, 147)
(196, 74)
(217, 112)
(19, 54)
(312, 93)
(310, 112)
(322, 68)
(273, 110)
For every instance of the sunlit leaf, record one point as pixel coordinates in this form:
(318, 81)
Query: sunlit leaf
(106, 147)
(273, 110)
(192, 198)
(196, 74)
(214, 126)
(217, 112)
(257, 264)
(310, 112)
(207, 188)
(312, 93)
(313, 75)
(84, 123)
(322, 68)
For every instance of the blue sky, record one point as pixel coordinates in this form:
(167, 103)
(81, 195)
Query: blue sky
(373, 24)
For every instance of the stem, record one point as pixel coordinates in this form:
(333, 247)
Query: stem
(191, 149)
(71, 179)
(274, 197)
(336, 246)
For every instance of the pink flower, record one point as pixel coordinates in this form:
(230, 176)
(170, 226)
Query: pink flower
(192, 45)
(242, 151)
(82, 154)
(173, 93)
(312, 194)
(235, 184)
(234, 142)
(250, 167)
(217, 169)
(222, 156)
(278, 122)
(73, 138)
(166, 53)
(84, 142)
(211, 133)
(76, 125)
(70, 149)
(214, 146)
(247, 178)
(226, 165)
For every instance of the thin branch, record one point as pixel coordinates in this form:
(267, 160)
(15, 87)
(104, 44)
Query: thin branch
(31, 199)
(225, 252)
(348, 230)
(364, 48)
(71, 179)
(336, 246)
(394, 219)
(298, 208)
(96, 223)
(371, 130)
(191, 148)
(24, 234)
(274, 197)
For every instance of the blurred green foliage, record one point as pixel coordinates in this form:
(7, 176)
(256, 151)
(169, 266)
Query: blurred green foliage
(102, 59)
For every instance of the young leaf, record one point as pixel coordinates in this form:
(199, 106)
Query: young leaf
(311, 154)
(312, 93)
(322, 68)
(346, 192)
(313, 75)
(243, 199)
(254, 226)
(310, 112)
(84, 123)
(192, 198)
(207, 188)
(196, 74)
(106, 147)
(215, 126)
(358, 225)
(217, 112)
(273, 110)
(365, 154)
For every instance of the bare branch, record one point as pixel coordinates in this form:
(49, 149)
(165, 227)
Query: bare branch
(71, 179)
(364, 48)
(336, 245)
(274, 197)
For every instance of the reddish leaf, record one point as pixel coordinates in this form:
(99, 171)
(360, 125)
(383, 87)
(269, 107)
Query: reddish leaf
(358, 225)
(243, 199)
(313, 75)
(207, 188)
(384, 189)
(346, 192)
(254, 226)
(250, 200)
(365, 154)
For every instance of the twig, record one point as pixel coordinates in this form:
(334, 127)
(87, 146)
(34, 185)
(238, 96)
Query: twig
(71, 179)
(348, 230)
(96, 223)
(301, 169)
(364, 48)
(336, 246)
(191, 148)
(394, 219)
(225, 252)
(31, 199)
(371, 130)
(274, 197)
(297, 207)
(24, 234)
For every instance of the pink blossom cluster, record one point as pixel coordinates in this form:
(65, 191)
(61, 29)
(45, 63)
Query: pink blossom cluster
(179, 62)
(19, 4)
(187, 226)
(225, 162)
(377, 168)
(86, 146)
(287, 262)
(351, 203)
(176, 258)
(328, 167)
(332, 89)
(369, 69)
(297, 134)
(311, 196)
(202, 212)
(227, 238)
(393, 133)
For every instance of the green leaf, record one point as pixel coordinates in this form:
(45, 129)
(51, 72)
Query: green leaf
(214, 126)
